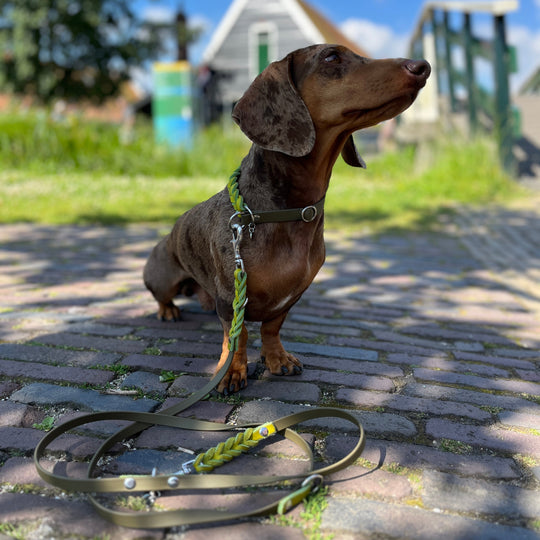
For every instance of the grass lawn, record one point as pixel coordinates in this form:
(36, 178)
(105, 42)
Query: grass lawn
(82, 173)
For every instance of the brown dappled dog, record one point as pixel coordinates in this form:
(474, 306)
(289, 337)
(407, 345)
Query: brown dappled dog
(300, 114)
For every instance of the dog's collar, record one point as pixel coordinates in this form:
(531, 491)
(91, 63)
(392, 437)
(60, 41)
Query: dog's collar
(248, 217)
(306, 214)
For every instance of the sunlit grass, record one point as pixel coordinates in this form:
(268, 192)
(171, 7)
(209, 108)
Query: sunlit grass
(78, 172)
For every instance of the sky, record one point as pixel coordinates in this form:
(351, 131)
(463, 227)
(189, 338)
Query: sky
(381, 27)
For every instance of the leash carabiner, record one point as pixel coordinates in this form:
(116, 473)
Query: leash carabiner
(237, 232)
(310, 485)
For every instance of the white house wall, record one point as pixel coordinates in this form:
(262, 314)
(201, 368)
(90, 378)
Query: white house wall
(235, 53)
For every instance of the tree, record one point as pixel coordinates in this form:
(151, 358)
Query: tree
(71, 48)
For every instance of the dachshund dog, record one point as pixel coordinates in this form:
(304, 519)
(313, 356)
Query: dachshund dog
(300, 114)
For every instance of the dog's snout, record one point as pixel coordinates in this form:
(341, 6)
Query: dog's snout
(420, 68)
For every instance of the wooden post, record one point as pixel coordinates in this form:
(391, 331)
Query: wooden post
(435, 27)
(448, 61)
(470, 82)
(502, 96)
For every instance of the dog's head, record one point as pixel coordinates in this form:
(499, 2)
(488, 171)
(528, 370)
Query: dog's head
(325, 87)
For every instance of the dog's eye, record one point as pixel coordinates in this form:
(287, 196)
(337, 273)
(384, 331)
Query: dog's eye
(332, 57)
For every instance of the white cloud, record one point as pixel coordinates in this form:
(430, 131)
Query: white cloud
(527, 43)
(378, 40)
(158, 14)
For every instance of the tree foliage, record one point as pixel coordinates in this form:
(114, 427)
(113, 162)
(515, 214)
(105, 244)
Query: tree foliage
(71, 48)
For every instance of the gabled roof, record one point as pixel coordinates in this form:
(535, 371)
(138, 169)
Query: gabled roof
(315, 26)
(328, 30)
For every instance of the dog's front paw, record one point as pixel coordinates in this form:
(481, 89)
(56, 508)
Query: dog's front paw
(282, 363)
(234, 381)
(168, 312)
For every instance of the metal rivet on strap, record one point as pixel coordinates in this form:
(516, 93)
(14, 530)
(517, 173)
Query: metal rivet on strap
(264, 431)
(309, 213)
(173, 481)
(129, 483)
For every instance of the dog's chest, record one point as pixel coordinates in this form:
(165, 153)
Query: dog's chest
(278, 279)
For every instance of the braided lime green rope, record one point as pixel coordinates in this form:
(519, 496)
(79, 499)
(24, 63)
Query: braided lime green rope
(239, 302)
(234, 192)
(225, 451)
(240, 276)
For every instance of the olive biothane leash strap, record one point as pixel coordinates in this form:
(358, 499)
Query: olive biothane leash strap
(186, 478)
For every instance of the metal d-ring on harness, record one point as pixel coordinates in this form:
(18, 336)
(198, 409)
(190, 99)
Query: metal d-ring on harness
(155, 485)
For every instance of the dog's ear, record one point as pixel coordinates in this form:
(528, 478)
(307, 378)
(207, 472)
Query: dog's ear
(273, 115)
(350, 154)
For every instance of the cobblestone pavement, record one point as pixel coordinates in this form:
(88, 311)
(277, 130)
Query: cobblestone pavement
(431, 339)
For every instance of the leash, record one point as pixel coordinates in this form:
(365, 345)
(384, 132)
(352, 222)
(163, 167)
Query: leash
(186, 479)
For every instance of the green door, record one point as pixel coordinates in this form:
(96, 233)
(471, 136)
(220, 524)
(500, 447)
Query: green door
(263, 50)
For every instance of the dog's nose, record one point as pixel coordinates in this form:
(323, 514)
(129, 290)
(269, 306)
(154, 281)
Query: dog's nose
(420, 68)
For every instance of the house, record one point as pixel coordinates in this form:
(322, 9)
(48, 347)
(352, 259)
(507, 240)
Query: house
(252, 34)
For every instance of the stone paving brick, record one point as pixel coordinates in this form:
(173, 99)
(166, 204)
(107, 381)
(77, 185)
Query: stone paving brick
(324, 350)
(84, 399)
(44, 372)
(246, 531)
(49, 355)
(381, 346)
(176, 364)
(439, 362)
(442, 490)
(377, 483)
(99, 429)
(530, 421)
(25, 440)
(212, 411)
(504, 361)
(185, 385)
(451, 333)
(56, 517)
(143, 461)
(12, 414)
(407, 403)
(147, 383)
(92, 328)
(21, 470)
(528, 375)
(378, 518)
(504, 385)
(333, 325)
(482, 399)
(7, 388)
(369, 382)
(492, 437)
(182, 330)
(416, 456)
(192, 348)
(67, 339)
(281, 391)
(20, 439)
(353, 366)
